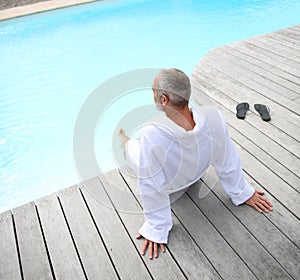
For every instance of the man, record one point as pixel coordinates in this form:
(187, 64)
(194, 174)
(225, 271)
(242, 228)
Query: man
(174, 152)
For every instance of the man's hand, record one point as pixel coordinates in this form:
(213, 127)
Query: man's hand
(153, 247)
(124, 137)
(258, 202)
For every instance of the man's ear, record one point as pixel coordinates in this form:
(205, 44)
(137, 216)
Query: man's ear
(164, 100)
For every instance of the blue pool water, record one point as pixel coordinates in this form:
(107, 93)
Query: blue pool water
(51, 62)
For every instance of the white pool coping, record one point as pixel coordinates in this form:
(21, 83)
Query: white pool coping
(39, 7)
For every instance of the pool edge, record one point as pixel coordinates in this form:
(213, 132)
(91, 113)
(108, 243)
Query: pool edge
(40, 7)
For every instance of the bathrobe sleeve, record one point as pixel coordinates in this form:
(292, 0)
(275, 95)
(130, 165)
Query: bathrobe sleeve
(228, 167)
(156, 203)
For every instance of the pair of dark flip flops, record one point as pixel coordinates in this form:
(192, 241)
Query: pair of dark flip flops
(263, 110)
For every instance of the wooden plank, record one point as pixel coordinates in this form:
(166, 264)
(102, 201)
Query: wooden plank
(266, 232)
(277, 151)
(266, 61)
(33, 254)
(248, 126)
(284, 43)
(265, 55)
(294, 28)
(279, 130)
(228, 82)
(289, 81)
(223, 72)
(286, 49)
(231, 96)
(274, 184)
(186, 252)
(232, 92)
(293, 33)
(257, 258)
(246, 77)
(278, 50)
(273, 54)
(211, 242)
(248, 64)
(290, 33)
(265, 158)
(258, 56)
(283, 36)
(132, 217)
(124, 255)
(9, 261)
(64, 259)
(282, 218)
(94, 257)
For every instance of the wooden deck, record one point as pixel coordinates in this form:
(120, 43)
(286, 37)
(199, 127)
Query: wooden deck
(87, 231)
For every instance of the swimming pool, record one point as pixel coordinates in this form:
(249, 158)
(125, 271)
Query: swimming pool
(51, 62)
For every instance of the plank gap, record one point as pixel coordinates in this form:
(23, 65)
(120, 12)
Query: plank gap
(71, 235)
(250, 232)
(207, 258)
(245, 48)
(139, 203)
(270, 192)
(284, 44)
(17, 246)
(98, 230)
(256, 78)
(128, 186)
(257, 64)
(45, 243)
(186, 232)
(257, 88)
(237, 254)
(124, 226)
(176, 262)
(276, 52)
(272, 170)
(271, 54)
(254, 126)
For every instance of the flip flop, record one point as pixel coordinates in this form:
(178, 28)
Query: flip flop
(264, 111)
(241, 110)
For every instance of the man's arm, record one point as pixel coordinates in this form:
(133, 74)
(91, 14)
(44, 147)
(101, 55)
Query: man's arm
(156, 203)
(228, 167)
(145, 162)
(157, 213)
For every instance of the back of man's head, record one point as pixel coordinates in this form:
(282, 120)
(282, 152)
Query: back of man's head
(176, 85)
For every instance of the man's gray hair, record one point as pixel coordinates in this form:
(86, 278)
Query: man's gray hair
(176, 85)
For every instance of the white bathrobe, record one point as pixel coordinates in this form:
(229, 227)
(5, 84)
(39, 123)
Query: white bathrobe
(168, 159)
